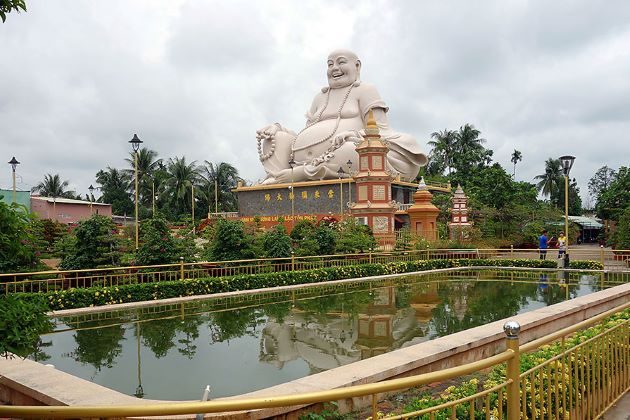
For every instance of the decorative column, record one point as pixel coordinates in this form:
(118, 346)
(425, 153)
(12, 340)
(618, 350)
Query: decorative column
(423, 214)
(459, 225)
(373, 186)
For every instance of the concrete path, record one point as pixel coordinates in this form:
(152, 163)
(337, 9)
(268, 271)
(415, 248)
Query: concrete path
(619, 411)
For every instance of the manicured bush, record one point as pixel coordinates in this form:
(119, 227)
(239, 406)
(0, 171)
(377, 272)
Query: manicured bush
(586, 265)
(97, 296)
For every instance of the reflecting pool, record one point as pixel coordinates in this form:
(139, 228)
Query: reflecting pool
(251, 342)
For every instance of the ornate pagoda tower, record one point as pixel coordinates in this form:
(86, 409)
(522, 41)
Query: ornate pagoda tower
(459, 224)
(423, 214)
(373, 186)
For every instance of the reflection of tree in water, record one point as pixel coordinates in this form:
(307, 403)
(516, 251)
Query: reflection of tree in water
(236, 323)
(352, 303)
(98, 347)
(278, 311)
(159, 335)
(189, 326)
(40, 355)
(486, 302)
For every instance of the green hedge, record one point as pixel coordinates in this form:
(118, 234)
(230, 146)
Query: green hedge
(98, 296)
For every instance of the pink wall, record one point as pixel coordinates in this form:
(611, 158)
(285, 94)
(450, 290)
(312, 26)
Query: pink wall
(67, 213)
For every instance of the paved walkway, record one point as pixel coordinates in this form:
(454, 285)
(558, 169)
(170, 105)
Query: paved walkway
(620, 411)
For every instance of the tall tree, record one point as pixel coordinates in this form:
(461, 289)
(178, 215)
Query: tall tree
(549, 182)
(148, 163)
(178, 187)
(517, 156)
(615, 199)
(443, 145)
(115, 186)
(53, 186)
(600, 181)
(469, 151)
(220, 179)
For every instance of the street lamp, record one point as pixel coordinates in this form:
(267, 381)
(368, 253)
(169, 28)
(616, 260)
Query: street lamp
(567, 164)
(192, 194)
(91, 190)
(292, 195)
(135, 145)
(14, 163)
(349, 163)
(341, 173)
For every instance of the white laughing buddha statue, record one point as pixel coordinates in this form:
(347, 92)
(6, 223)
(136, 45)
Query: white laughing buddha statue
(334, 125)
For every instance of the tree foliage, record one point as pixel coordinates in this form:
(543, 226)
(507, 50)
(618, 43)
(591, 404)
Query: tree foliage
(277, 243)
(615, 199)
(8, 6)
(53, 186)
(93, 244)
(230, 241)
(21, 324)
(17, 250)
(157, 245)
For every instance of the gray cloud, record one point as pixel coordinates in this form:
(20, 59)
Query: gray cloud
(78, 79)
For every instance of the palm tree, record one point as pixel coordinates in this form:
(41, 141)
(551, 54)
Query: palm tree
(517, 156)
(443, 147)
(219, 181)
(147, 164)
(549, 182)
(178, 187)
(115, 187)
(468, 150)
(53, 186)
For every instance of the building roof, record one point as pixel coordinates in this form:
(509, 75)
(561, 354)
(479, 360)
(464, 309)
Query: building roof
(67, 201)
(586, 222)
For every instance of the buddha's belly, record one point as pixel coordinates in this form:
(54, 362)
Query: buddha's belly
(309, 145)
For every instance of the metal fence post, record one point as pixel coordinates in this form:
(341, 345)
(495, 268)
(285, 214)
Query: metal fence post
(511, 251)
(370, 259)
(181, 268)
(511, 329)
(292, 261)
(601, 255)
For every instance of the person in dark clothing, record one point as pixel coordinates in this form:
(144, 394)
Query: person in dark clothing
(542, 245)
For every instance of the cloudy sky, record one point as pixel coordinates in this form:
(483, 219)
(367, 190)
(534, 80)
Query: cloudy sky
(196, 78)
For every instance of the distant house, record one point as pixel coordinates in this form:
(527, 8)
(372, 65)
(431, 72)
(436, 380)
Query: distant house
(66, 210)
(21, 197)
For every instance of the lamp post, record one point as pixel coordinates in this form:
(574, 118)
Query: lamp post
(91, 190)
(139, 390)
(341, 172)
(192, 194)
(153, 199)
(349, 163)
(292, 195)
(567, 164)
(14, 163)
(135, 145)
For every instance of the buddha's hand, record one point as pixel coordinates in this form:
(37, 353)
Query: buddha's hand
(346, 136)
(268, 132)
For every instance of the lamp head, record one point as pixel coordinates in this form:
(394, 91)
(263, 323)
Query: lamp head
(14, 163)
(341, 172)
(135, 143)
(292, 163)
(567, 164)
(91, 189)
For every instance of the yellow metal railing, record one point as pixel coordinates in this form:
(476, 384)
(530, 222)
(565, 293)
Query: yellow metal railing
(580, 382)
(52, 280)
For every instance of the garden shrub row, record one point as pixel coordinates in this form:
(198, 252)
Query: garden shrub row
(98, 296)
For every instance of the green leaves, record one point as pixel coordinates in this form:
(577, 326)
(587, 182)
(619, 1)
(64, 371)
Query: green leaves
(21, 324)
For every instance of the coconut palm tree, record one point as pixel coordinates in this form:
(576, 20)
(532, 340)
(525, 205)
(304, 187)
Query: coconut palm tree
(517, 156)
(443, 147)
(115, 186)
(468, 150)
(178, 187)
(147, 164)
(53, 186)
(219, 180)
(549, 182)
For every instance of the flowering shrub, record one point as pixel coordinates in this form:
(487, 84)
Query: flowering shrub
(138, 292)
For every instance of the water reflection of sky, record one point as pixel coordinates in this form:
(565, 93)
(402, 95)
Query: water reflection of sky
(252, 347)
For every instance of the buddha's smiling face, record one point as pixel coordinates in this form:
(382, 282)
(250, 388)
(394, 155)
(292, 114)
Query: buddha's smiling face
(343, 69)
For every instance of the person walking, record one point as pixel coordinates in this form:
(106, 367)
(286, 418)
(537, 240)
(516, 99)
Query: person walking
(542, 245)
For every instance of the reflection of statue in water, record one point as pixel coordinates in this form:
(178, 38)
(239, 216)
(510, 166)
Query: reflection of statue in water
(334, 126)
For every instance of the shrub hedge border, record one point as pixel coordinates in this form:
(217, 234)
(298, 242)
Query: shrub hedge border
(139, 292)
